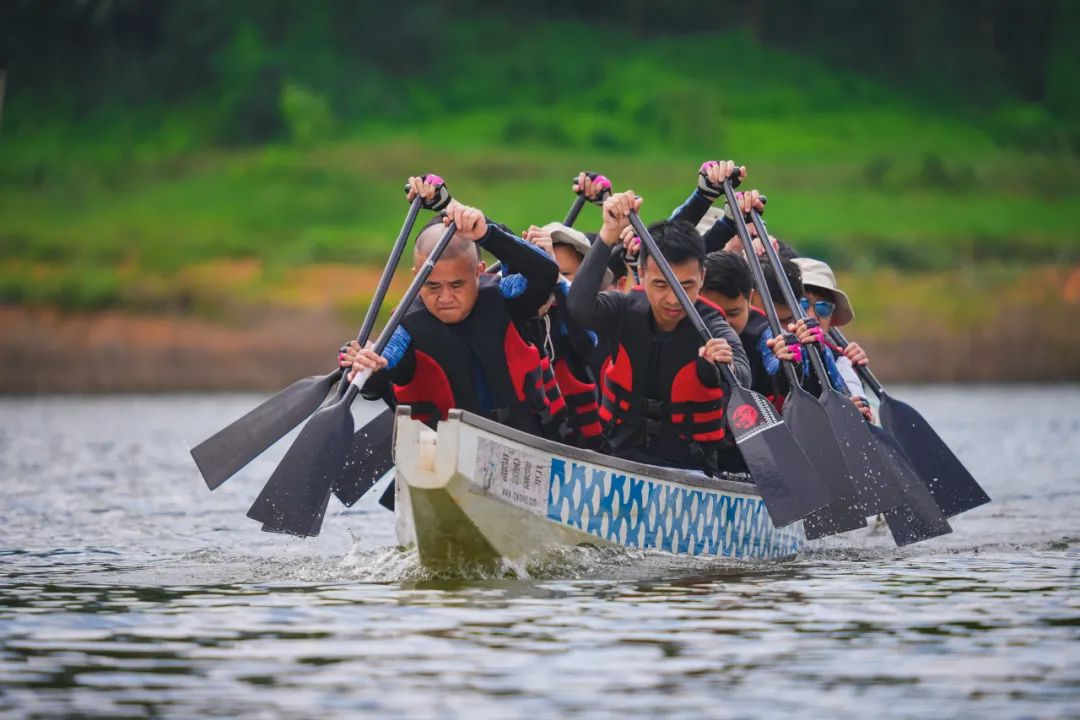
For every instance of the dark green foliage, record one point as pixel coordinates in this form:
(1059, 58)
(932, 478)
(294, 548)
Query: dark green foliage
(394, 61)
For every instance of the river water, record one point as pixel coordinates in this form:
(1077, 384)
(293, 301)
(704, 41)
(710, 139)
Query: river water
(129, 590)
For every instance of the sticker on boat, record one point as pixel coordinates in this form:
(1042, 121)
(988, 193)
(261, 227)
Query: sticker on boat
(516, 476)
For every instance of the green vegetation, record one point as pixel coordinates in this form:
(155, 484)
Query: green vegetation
(274, 145)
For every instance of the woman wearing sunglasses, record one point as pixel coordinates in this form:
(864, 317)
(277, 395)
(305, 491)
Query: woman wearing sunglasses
(826, 302)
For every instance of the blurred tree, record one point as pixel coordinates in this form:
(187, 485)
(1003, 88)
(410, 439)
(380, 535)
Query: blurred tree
(68, 60)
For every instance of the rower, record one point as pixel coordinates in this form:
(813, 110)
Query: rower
(462, 345)
(828, 306)
(729, 285)
(662, 401)
(564, 342)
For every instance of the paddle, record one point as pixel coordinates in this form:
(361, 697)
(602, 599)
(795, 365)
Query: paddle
(387, 498)
(877, 485)
(804, 415)
(295, 497)
(918, 517)
(953, 488)
(224, 453)
(787, 481)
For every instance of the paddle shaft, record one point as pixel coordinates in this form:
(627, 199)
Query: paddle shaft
(403, 307)
(676, 287)
(792, 302)
(575, 210)
(763, 291)
(384, 281)
(864, 372)
(388, 271)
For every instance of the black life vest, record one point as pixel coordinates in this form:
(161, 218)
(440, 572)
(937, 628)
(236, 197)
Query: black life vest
(447, 358)
(683, 416)
(762, 382)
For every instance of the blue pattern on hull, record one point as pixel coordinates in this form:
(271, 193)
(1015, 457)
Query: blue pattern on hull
(650, 514)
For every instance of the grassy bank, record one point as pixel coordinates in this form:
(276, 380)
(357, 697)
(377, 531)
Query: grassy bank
(988, 325)
(92, 239)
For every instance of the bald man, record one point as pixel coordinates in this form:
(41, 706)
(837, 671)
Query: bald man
(462, 345)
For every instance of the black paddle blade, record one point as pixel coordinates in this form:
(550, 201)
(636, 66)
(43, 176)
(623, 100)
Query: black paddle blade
(387, 499)
(221, 455)
(784, 476)
(918, 516)
(295, 498)
(810, 425)
(370, 456)
(875, 484)
(952, 486)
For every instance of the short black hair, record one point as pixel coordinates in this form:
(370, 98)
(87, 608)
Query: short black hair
(794, 276)
(728, 274)
(677, 240)
(785, 251)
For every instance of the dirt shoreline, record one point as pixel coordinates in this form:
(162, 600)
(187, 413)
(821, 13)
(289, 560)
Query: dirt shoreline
(48, 352)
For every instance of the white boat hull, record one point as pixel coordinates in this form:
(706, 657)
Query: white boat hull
(478, 492)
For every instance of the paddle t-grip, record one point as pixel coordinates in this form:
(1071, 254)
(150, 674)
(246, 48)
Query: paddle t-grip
(442, 195)
(600, 182)
(708, 188)
(580, 200)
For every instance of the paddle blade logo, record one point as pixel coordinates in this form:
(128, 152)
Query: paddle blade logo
(744, 417)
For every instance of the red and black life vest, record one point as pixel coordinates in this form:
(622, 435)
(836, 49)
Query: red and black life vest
(762, 382)
(576, 384)
(573, 417)
(449, 356)
(581, 404)
(683, 408)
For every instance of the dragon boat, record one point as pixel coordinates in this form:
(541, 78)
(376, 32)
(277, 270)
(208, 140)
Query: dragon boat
(476, 491)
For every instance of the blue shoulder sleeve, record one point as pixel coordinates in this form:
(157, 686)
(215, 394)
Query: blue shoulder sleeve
(395, 349)
(770, 361)
(513, 285)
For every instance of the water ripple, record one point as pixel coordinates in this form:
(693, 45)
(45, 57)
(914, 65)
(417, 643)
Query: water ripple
(128, 590)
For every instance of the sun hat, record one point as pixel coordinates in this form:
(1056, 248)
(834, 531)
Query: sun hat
(564, 235)
(818, 275)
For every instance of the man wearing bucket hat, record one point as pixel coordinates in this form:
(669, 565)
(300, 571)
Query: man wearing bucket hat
(824, 300)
